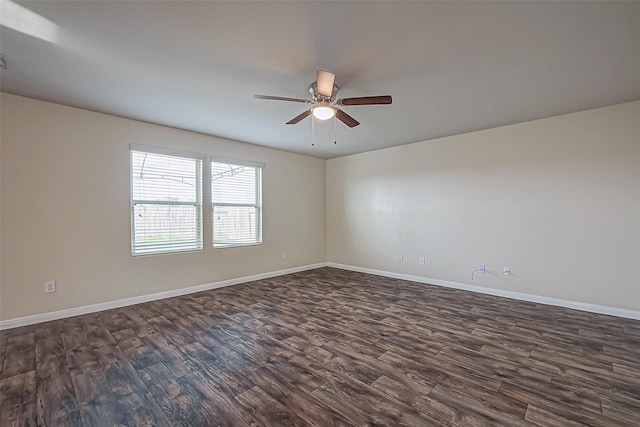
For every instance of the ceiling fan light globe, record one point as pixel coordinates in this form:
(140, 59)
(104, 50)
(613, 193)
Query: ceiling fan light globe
(323, 112)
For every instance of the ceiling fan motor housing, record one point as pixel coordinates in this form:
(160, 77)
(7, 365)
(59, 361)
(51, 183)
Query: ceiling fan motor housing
(316, 97)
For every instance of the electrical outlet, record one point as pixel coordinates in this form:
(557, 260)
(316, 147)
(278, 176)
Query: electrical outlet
(284, 255)
(422, 260)
(400, 259)
(49, 286)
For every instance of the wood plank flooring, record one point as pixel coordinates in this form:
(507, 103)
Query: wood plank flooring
(325, 347)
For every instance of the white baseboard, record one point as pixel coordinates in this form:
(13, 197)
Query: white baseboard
(61, 314)
(611, 311)
(76, 311)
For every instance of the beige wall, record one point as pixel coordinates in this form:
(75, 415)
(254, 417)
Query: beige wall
(557, 200)
(65, 210)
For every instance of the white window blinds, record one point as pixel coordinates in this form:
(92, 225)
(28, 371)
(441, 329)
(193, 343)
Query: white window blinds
(166, 203)
(236, 203)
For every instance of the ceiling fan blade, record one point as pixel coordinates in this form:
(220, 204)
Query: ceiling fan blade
(325, 83)
(346, 119)
(281, 98)
(365, 100)
(299, 117)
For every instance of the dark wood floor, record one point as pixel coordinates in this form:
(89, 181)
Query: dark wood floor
(328, 348)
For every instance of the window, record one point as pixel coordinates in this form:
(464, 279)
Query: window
(236, 201)
(166, 201)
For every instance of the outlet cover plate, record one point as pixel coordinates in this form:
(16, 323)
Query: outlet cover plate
(49, 286)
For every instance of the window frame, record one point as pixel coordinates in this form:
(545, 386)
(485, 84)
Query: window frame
(258, 168)
(198, 204)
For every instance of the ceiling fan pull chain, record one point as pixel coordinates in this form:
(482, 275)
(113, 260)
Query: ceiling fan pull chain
(335, 140)
(313, 131)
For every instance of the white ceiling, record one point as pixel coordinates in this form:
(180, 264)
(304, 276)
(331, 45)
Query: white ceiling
(451, 67)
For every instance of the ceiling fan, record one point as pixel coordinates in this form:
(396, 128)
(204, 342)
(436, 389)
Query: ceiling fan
(323, 98)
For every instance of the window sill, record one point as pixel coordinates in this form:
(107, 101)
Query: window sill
(236, 245)
(187, 251)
